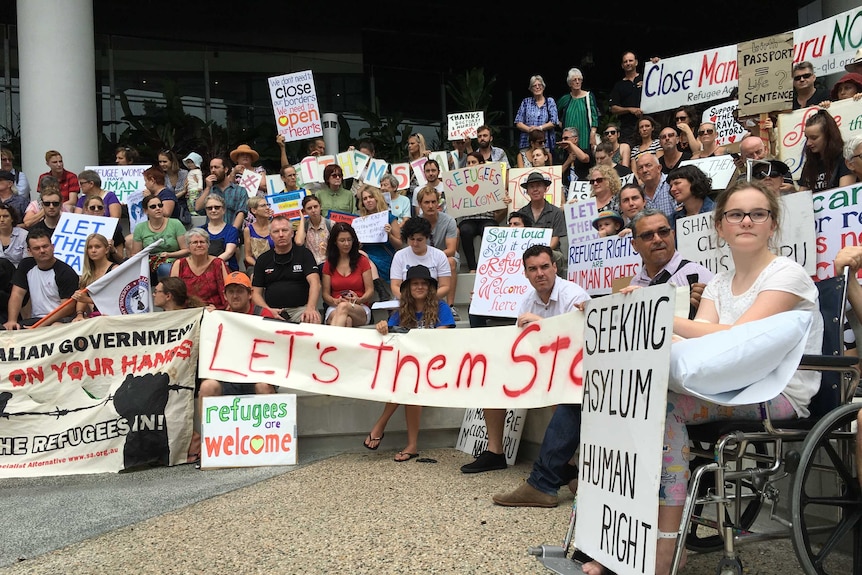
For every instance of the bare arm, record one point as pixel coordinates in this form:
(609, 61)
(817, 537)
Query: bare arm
(768, 303)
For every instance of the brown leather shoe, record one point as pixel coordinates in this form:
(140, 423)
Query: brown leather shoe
(525, 496)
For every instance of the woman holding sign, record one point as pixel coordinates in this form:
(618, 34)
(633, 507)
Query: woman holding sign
(381, 253)
(760, 285)
(347, 285)
(420, 308)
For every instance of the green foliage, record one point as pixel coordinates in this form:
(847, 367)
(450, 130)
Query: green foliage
(388, 134)
(471, 92)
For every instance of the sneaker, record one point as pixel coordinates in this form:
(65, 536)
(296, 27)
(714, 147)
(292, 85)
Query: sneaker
(525, 496)
(455, 314)
(487, 461)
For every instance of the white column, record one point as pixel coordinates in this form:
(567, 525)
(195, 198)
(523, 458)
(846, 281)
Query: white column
(57, 63)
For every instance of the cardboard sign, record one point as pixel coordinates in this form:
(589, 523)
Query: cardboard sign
(579, 221)
(579, 190)
(500, 284)
(727, 130)
(473, 437)
(70, 236)
(250, 180)
(294, 102)
(369, 229)
(98, 396)
(464, 125)
(765, 74)
(698, 241)
(596, 265)
(838, 221)
(137, 214)
(287, 204)
(374, 171)
(122, 180)
(626, 368)
(791, 130)
(248, 430)
(515, 176)
(341, 217)
(507, 367)
(474, 190)
(719, 168)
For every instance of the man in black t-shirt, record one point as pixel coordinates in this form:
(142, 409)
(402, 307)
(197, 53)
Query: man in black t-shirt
(625, 98)
(47, 280)
(286, 279)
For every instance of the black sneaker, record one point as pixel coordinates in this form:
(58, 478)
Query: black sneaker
(486, 461)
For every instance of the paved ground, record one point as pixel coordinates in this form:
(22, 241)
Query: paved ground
(350, 513)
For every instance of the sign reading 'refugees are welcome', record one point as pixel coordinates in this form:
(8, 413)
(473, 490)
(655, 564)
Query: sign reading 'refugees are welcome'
(627, 341)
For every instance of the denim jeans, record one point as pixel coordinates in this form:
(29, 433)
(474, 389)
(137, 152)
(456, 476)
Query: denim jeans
(552, 470)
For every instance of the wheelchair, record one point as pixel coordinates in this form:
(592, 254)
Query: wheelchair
(741, 468)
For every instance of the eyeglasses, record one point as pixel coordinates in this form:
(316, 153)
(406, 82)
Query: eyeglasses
(96, 208)
(681, 118)
(577, 80)
(756, 216)
(667, 136)
(851, 158)
(648, 236)
(706, 132)
(214, 208)
(596, 181)
(51, 204)
(610, 132)
(154, 206)
(802, 76)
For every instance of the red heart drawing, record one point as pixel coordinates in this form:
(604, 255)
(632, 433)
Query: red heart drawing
(713, 118)
(473, 189)
(731, 139)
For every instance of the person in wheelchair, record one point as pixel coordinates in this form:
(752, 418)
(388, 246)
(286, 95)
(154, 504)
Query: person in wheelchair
(761, 284)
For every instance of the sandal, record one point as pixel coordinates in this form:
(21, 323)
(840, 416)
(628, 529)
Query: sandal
(370, 439)
(404, 456)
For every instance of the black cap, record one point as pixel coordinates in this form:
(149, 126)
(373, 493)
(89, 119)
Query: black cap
(6, 175)
(419, 272)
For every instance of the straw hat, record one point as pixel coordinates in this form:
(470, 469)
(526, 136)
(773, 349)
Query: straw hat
(244, 149)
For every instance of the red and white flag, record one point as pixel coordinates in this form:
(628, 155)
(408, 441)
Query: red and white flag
(125, 289)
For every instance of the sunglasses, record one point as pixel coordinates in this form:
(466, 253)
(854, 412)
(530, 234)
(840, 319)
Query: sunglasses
(96, 208)
(51, 204)
(705, 132)
(610, 132)
(154, 206)
(596, 181)
(763, 174)
(681, 118)
(802, 76)
(648, 236)
(214, 208)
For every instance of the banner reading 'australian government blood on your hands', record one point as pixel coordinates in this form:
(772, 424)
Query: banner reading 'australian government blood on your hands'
(708, 75)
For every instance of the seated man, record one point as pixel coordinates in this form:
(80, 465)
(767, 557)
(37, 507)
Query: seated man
(48, 282)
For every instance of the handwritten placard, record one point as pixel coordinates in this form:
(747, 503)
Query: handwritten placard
(596, 265)
(698, 241)
(288, 204)
(516, 176)
(464, 125)
(838, 221)
(370, 229)
(248, 431)
(122, 180)
(70, 236)
(500, 283)
(727, 130)
(719, 168)
(343, 217)
(765, 79)
(294, 102)
(626, 367)
(579, 190)
(473, 436)
(474, 190)
(579, 221)
(791, 129)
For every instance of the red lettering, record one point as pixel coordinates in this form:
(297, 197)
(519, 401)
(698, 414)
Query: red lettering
(76, 370)
(290, 345)
(215, 355)
(437, 362)
(523, 358)
(479, 359)
(256, 355)
(559, 343)
(575, 373)
(400, 364)
(320, 359)
(380, 349)
(242, 443)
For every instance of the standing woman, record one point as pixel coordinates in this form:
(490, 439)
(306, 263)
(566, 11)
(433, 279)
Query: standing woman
(647, 142)
(223, 238)
(416, 147)
(20, 181)
(203, 274)
(537, 112)
(420, 308)
(95, 265)
(622, 151)
(380, 253)
(347, 286)
(159, 227)
(256, 236)
(824, 166)
(578, 108)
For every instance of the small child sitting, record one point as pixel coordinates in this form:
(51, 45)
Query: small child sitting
(608, 223)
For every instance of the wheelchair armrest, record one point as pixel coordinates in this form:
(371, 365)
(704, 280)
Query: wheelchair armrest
(833, 361)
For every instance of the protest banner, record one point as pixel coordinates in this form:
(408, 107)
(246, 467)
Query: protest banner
(294, 102)
(579, 221)
(137, 214)
(369, 229)
(791, 130)
(838, 223)
(70, 236)
(473, 436)
(347, 161)
(250, 180)
(698, 241)
(719, 168)
(515, 176)
(596, 265)
(509, 367)
(765, 74)
(287, 204)
(464, 125)
(474, 190)
(500, 284)
(442, 159)
(417, 166)
(341, 217)
(728, 131)
(374, 171)
(122, 180)
(708, 75)
(248, 430)
(579, 190)
(627, 345)
(97, 396)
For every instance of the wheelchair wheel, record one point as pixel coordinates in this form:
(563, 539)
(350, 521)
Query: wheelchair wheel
(826, 500)
(703, 538)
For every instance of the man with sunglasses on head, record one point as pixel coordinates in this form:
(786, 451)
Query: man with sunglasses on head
(806, 92)
(221, 182)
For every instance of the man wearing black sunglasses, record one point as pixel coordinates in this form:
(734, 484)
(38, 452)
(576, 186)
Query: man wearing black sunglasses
(806, 92)
(49, 214)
